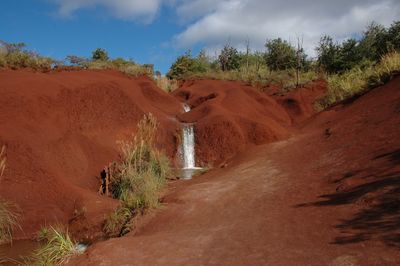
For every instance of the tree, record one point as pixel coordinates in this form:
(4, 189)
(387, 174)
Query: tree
(229, 58)
(350, 55)
(201, 63)
(328, 54)
(280, 55)
(373, 43)
(394, 36)
(181, 67)
(100, 55)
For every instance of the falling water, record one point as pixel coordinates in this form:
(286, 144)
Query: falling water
(188, 148)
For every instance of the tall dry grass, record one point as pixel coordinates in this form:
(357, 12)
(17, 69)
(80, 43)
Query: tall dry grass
(8, 212)
(24, 59)
(168, 85)
(8, 220)
(285, 79)
(127, 67)
(139, 176)
(357, 81)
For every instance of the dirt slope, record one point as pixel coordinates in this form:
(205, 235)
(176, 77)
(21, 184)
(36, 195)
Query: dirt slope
(60, 129)
(327, 196)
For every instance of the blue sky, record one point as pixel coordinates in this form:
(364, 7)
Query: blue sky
(157, 31)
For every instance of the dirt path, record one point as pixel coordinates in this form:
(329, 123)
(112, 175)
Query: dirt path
(247, 214)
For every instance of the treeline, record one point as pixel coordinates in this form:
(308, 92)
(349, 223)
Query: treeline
(280, 55)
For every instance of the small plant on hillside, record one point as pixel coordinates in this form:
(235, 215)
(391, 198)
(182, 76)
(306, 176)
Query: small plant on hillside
(58, 247)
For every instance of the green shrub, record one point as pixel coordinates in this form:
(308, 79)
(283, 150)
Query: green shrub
(58, 247)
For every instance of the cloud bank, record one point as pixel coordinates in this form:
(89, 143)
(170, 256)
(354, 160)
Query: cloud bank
(258, 20)
(212, 23)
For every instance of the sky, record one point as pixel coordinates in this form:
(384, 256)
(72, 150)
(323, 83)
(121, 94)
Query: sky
(157, 31)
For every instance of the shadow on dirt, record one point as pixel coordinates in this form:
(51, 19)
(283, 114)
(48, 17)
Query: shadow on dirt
(376, 191)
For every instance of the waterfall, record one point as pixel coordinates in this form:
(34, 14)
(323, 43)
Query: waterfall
(189, 161)
(188, 148)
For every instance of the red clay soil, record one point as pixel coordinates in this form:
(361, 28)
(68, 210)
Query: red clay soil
(299, 102)
(329, 195)
(60, 129)
(230, 116)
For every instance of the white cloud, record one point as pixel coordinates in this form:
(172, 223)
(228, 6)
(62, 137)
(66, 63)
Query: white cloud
(142, 10)
(258, 20)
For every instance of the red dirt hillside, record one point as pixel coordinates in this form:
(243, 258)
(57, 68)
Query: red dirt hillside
(329, 195)
(229, 116)
(60, 129)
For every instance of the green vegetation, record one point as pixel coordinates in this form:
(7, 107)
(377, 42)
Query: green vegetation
(280, 55)
(278, 65)
(15, 56)
(229, 58)
(100, 55)
(138, 177)
(357, 80)
(118, 222)
(58, 247)
(100, 60)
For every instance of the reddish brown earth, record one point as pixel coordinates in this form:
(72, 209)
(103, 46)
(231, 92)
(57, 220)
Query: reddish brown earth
(324, 191)
(60, 129)
(329, 195)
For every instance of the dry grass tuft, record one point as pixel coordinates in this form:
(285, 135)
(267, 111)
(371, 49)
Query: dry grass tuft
(57, 249)
(8, 220)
